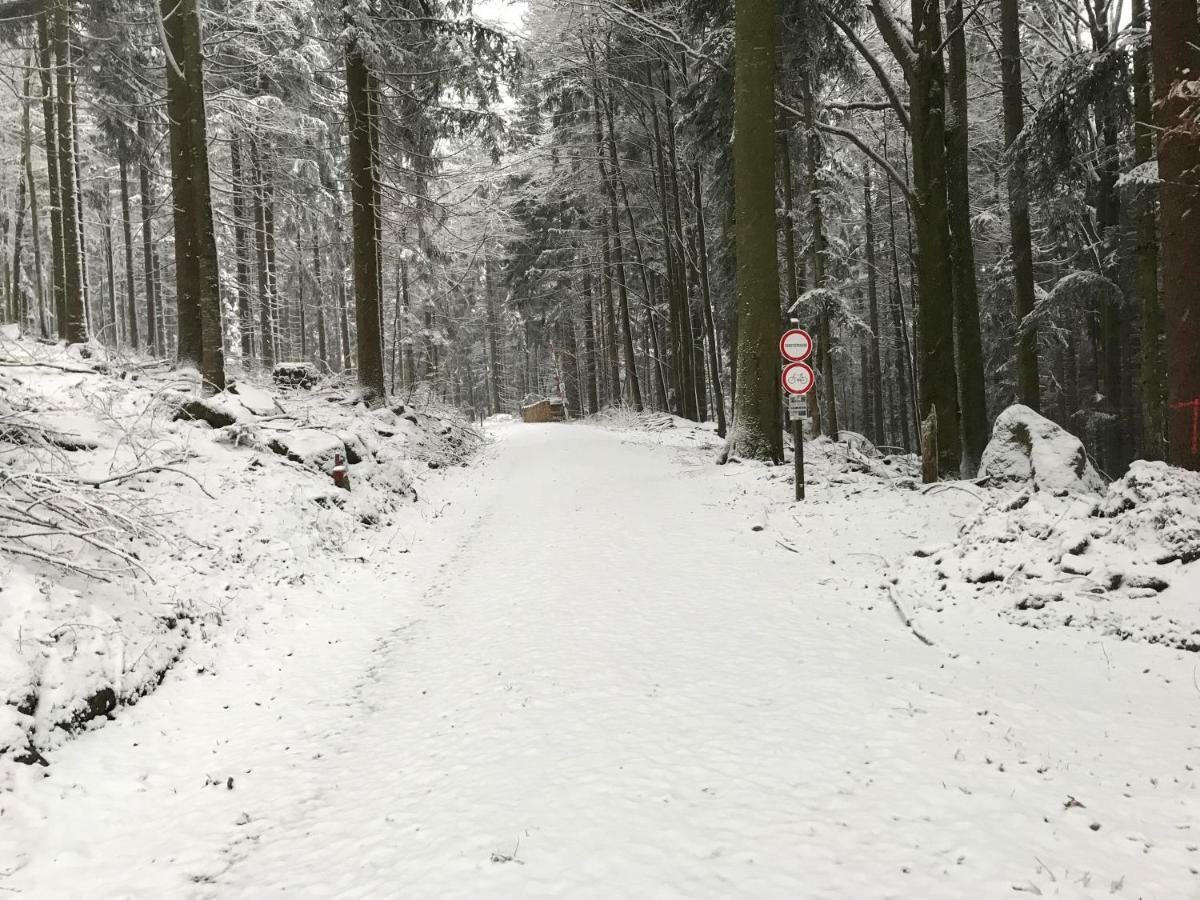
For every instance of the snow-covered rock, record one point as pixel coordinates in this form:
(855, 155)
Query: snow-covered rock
(219, 411)
(1156, 508)
(255, 399)
(308, 446)
(1027, 447)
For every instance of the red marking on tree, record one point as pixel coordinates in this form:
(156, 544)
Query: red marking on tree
(1194, 405)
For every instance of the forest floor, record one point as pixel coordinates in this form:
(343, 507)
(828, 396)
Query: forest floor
(606, 667)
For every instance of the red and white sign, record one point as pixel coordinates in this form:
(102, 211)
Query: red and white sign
(796, 345)
(798, 379)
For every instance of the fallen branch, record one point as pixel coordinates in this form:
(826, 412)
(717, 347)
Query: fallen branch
(937, 488)
(71, 370)
(124, 476)
(907, 619)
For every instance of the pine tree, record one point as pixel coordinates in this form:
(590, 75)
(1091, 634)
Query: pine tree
(756, 431)
(1176, 50)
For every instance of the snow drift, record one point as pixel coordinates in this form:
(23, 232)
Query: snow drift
(1052, 546)
(136, 517)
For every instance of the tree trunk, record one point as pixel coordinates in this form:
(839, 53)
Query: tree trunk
(589, 326)
(609, 179)
(682, 392)
(1176, 39)
(826, 391)
(874, 373)
(34, 218)
(266, 302)
(198, 281)
(241, 249)
(80, 217)
(74, 329)
(493, 337)
(938, 378)
(692, 385)
(756, 431)
(127, 230)
(365, 198)
(1153, 379)
(608, 318)
(905, 376)
(14, 299)
(706, 299)
(153, 326)
(301, 277)
(160, 315)
(972, 396)
(322, 331)
(49, 104)
(1028, 386)
(111, 273)
(275, 311)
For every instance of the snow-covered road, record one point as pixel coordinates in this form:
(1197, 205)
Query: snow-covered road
(592, 676)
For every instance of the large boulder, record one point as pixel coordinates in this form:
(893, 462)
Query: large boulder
(255, 399)
(1029, 448)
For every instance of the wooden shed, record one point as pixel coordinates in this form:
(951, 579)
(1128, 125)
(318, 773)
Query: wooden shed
(544, 411)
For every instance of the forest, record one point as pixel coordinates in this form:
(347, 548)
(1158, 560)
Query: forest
(968, 203)
(393, 418)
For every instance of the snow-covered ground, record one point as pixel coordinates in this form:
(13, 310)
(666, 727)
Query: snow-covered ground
(605, 667)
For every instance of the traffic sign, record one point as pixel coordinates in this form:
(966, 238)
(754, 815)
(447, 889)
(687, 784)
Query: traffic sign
(798, 378)
(796, 345)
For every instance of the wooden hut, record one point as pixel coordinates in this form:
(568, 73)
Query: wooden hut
(552, 410)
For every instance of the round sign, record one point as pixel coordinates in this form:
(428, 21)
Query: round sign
(798, 378)
(796, 345)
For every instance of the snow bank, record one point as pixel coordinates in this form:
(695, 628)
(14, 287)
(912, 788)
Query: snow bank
(1124, 561)
(162, 514)
(1027, 447)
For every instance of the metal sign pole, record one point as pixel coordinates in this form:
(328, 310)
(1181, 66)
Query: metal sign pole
(796, 345)
(798, 454)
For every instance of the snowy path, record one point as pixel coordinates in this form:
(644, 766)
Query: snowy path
(595, 679)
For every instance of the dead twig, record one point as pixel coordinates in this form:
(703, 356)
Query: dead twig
(906, 619)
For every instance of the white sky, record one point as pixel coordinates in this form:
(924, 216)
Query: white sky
(505, 13)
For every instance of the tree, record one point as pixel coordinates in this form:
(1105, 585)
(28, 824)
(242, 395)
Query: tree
(1176, 54)
(966, 290)
(73, 326)
(756, 431)
(1153, 374)
(1028, 388)
(364, 180)
(921, 61)
(198, 287)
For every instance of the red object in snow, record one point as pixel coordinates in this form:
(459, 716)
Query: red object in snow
(341, 474)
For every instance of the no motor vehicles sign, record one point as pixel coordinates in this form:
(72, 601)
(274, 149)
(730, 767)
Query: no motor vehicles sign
(796, 345)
